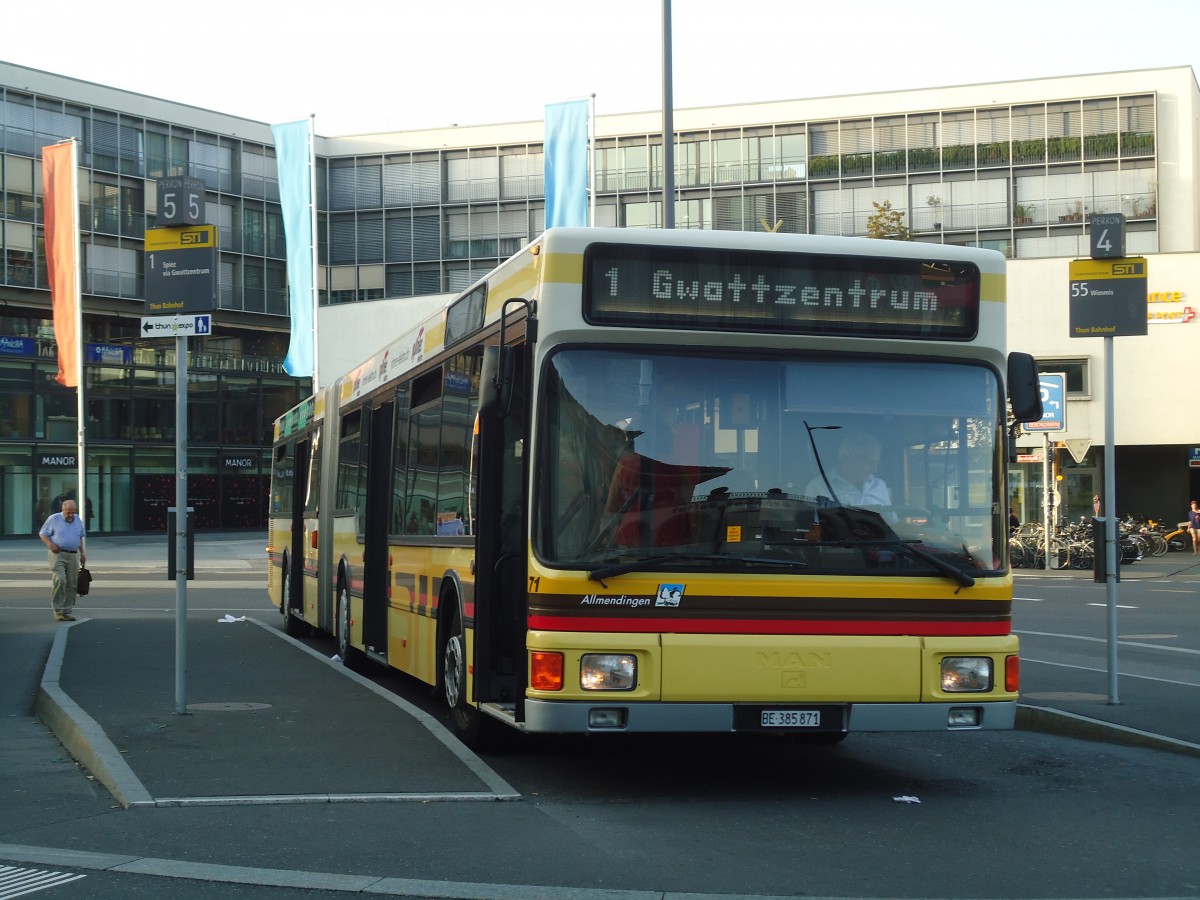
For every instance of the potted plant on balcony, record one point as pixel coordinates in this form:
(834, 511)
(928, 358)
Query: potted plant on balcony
(1022, 214)
(934, 202)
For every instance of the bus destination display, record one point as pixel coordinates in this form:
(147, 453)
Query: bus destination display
(671, 287)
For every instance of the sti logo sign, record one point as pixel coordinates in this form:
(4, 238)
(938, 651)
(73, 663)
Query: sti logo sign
(1054, 404)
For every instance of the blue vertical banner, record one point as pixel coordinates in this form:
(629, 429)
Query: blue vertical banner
(566, 164)
(294, 158)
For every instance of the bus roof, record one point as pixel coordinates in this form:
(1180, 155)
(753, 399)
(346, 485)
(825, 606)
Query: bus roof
(519, 275)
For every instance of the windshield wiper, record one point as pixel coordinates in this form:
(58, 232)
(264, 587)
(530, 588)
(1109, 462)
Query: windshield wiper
(944, 566)
(913, 548)
(661, 562)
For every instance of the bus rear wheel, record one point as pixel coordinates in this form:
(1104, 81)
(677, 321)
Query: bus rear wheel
(351, 657)
(292, 626)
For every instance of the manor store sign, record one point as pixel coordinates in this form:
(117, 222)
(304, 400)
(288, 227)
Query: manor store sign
(1166, 308)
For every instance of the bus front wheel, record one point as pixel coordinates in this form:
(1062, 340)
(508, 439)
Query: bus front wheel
(467, 722)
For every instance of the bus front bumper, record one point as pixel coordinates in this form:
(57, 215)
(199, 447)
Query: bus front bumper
(553, 717)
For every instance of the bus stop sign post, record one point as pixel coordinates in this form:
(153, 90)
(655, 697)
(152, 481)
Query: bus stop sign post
(1108, 299)
(180, 264)
(182, 523)
(179, 527)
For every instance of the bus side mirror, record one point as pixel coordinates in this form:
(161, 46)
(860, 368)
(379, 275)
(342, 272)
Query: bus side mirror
(496, 381)
(1024, 392)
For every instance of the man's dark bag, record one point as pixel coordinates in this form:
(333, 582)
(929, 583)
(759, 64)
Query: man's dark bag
(83, 582)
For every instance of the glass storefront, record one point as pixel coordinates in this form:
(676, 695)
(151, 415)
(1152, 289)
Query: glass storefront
(130, 398)
(17, 510)
(1074, 486)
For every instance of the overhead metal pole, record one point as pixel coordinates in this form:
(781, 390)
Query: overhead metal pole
(668, 127)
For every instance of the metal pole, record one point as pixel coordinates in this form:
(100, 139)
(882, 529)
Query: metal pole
(316, 289)
(592, 162)
(1046, 474)
(668, 123)
(1110, 519)
(181, 524)
(80, 399)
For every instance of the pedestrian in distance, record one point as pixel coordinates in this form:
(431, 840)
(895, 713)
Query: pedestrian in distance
(63, 534)
(1194, 527)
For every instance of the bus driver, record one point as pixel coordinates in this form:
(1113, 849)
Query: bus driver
(854, 483)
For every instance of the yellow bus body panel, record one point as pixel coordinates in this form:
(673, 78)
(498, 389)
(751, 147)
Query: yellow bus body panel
(415, 576)
(681, 668)
(781, 668)
(725, 668)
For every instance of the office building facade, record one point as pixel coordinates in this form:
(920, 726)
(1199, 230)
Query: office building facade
(1018, 167)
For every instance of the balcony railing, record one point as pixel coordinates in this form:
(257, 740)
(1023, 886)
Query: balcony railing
(992, 154)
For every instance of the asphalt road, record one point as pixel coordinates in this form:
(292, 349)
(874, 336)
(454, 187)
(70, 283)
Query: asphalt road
(1023, 814)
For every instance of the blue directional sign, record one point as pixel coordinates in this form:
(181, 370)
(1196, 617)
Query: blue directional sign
(1054, 403)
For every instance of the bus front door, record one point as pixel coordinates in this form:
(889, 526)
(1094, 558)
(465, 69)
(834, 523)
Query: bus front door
(501, 569)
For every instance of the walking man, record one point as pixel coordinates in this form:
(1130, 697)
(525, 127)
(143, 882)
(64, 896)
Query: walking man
(63, 534)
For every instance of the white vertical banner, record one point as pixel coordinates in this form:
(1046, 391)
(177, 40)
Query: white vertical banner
(295, 161)
(565, 155)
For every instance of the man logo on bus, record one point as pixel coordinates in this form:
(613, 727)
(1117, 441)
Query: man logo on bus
(669, 594)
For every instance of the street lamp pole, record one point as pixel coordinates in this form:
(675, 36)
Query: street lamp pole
(668, 127)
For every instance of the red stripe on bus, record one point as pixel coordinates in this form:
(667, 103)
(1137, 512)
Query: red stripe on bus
(776, 626)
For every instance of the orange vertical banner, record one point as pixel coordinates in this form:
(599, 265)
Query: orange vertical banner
(61, 215)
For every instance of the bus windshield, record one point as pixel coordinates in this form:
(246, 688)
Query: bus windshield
(798, 464)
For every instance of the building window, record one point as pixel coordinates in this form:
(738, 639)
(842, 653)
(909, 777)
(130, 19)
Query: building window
(17, 241)
(1077, 370)
(16, 183)
(521, 176)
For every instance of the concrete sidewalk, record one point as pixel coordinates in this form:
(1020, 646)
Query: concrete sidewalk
(249, 736)
(213, 552)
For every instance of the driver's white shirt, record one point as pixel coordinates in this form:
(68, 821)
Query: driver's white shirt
(873, 492)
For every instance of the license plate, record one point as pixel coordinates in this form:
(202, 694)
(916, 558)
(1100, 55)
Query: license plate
(790, 718)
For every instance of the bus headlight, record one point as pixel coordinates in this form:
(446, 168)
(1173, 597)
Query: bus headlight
(965, 674)
(608, 672)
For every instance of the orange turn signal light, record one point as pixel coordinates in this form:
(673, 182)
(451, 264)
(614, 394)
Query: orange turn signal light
(545, 671)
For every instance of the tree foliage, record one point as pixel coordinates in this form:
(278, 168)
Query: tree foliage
(887, 223)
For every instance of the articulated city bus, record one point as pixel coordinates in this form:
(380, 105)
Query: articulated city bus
(675, 481)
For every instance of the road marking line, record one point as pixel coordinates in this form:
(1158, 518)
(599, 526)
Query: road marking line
(1096, 640)
(306, 799)
(1046, 662)
(19, 882)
